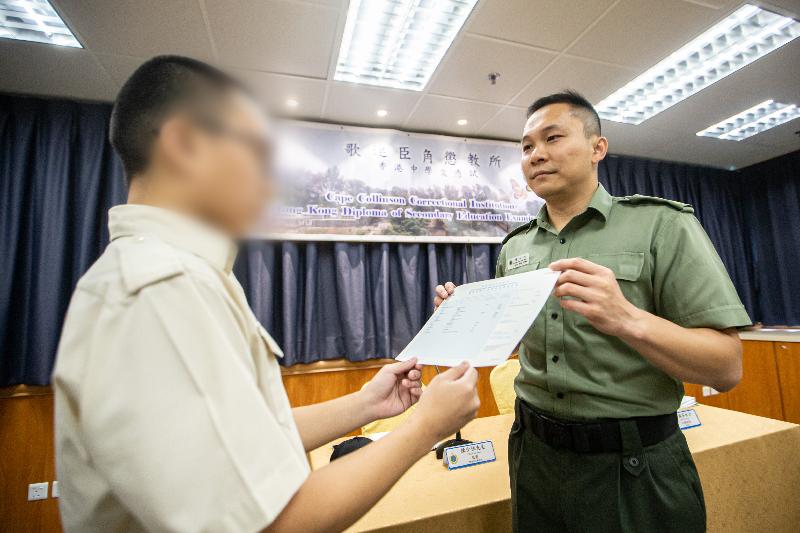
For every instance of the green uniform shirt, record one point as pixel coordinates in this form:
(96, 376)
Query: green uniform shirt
(664, 263)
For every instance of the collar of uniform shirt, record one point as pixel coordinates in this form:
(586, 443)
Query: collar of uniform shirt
(174, 228)
(601, 204)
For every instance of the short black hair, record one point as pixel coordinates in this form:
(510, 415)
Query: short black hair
(157, 89)
(588, 114)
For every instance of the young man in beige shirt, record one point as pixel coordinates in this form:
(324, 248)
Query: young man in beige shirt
(170, 410)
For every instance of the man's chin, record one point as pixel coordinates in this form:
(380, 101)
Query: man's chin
(543, 190)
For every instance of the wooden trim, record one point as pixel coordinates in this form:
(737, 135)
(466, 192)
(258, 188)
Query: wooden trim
(16, 391)
(334, 365)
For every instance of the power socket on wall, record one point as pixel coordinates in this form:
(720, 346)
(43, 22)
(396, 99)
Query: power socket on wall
(38, 491)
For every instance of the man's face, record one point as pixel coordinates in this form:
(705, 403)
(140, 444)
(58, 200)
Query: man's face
(557, 155)
(229, 180)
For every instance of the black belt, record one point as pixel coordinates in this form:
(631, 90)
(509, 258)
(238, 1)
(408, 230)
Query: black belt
(595, 436)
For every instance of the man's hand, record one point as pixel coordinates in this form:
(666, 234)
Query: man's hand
(443, 292)
(394, 389)
(450, 401)
(595, 294)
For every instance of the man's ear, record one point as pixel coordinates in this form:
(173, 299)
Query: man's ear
(174, 142)
(600, 149)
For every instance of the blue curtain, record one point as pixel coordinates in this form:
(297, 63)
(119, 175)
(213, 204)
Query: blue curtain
(59, 176)
(771, 192)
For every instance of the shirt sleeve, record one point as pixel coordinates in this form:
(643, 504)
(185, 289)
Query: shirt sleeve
(690, 283)
(173, 418)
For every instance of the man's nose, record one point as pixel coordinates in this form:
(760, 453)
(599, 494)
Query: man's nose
(538, 154)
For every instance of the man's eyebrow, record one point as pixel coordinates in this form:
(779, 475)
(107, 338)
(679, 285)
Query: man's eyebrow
(545, 130)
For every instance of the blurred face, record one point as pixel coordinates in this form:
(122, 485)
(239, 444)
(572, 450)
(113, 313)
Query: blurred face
(558, 159)
(223, 163)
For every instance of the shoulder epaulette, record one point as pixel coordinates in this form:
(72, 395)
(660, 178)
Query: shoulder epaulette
(518, 229)
(640, 199)
(145, 261)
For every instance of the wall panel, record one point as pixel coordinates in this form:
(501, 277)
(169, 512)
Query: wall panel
(788, 359)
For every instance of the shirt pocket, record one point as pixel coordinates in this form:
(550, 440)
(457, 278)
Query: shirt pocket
(627, 268)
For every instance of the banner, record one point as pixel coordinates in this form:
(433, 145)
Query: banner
(350, 183)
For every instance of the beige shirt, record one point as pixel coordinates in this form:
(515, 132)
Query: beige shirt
(170, 411)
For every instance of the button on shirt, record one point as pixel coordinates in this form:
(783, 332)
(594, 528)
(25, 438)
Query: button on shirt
(664, 263)
(170, 410)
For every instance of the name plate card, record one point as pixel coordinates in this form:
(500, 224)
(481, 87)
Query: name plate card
(688, 418)
(471, 454)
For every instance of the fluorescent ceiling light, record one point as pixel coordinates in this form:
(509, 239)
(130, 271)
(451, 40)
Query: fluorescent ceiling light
(398, 43)
(745, 36)
(753, 121)
(34, 20)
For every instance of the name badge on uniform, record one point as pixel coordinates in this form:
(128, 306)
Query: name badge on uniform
(518, 261)
(688, 418)
(471, 454)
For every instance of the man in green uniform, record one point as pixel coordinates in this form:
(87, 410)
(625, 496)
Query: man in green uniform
(643, 304)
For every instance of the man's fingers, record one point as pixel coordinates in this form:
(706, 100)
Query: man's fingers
(414, 375)
(401, 367)
(437, 301)
(576, 277)
(576, 263)
(441, 292)
(470, 377)
(411, 383)
(578, 291)
(582, 308)
(450, 286)
(455, 372)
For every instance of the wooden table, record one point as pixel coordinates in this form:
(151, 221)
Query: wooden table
(749, 465)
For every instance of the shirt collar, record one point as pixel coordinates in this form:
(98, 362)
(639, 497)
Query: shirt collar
(600, 203)
(174, 228)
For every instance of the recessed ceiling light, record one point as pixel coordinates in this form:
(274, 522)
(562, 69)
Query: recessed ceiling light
(291, 102)
(382, 112)
(398, 43)
(753, 121)
(745, 36)
(462, 122)
(34, 20)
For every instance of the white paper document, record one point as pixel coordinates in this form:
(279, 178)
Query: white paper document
(482, 322)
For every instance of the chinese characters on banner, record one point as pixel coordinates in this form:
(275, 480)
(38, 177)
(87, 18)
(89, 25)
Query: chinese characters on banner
(348, 183)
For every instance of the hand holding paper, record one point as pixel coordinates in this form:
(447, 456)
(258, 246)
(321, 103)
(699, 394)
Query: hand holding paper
(482, 322)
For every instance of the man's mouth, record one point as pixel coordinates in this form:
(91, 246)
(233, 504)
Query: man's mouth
(541, 173)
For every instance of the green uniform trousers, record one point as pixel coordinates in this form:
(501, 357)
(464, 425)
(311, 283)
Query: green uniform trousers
(642, 489)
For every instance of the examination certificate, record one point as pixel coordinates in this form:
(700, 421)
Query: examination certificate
(482, 322)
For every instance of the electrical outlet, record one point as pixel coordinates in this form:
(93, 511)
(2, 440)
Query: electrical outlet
(54, 493)
(37, 491)
(709, 391)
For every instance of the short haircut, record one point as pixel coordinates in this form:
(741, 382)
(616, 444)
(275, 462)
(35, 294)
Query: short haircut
(160, 87)
(583, 109)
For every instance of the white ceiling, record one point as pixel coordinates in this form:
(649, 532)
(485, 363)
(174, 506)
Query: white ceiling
(288, 48)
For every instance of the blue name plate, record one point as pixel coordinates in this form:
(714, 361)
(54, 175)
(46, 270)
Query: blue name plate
(688, 419)
(465, 455)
